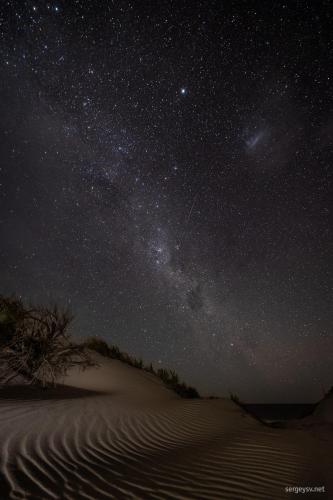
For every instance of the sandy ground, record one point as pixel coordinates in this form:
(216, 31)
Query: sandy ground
(117, 432)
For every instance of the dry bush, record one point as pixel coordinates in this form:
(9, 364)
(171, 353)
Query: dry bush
(34, 342)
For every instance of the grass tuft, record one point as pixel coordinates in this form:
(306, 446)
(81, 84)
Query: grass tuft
(236, 399)
(168, 377)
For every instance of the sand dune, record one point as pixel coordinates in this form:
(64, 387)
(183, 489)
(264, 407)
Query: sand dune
(117, 432)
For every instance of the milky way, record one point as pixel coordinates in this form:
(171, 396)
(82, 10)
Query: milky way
(165, 172)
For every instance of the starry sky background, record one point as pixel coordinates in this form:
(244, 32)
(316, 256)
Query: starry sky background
(165, 171)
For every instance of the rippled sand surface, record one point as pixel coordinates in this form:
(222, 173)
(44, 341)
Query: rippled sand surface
(118, 433)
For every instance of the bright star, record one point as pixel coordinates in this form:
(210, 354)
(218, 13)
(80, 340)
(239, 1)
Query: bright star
(183, 90)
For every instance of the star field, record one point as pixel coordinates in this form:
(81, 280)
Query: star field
(166, 172)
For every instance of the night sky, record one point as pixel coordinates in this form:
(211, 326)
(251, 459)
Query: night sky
(165, 172)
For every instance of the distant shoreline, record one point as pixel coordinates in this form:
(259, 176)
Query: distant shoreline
(281, 411)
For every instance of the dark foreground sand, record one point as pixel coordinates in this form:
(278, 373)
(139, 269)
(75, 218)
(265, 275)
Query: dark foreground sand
(117, 432)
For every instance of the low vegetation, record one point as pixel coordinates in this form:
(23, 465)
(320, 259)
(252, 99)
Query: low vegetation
(169, 377)
(35, 344)
(236, 399)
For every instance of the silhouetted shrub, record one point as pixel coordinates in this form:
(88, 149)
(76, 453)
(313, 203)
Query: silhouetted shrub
(164, 375)
(115, 352)
(192, 393)
(185, 391)
(236, 399)
(137, 363)
(149, 368)
(98, 345)
(173, 377)
(34, 342)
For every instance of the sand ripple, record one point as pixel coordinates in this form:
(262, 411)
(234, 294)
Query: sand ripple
(85, 445)
(92, 448)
